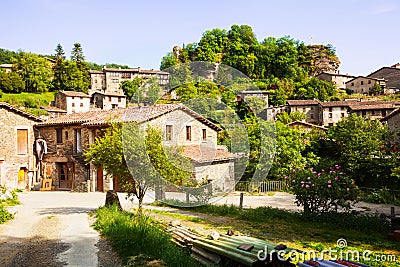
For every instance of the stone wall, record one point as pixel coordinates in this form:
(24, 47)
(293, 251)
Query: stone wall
(394, 126)
(66, 152)
(220, 173)
(10, 161)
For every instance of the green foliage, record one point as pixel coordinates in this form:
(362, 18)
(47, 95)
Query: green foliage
(11, 82)
(5, 215)
(128, 145)
(376, 89)
(141, 237)
(359, 142)
(35, 70)
(130, 88)
(322, 191)
(6, 56)
(286, 118)
(33, 99)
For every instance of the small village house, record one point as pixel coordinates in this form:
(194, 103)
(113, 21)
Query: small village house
(72, 101)
(108, 101)
(393, 122)
(390, 74)
(363, 85)
(308, 107)
(68, 136)
(17, 138)
(339, 80)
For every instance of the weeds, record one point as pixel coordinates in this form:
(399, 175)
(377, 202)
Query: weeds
(140, 238)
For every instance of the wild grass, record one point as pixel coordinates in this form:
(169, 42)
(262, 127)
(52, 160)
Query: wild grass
(29, 101)
(5, 215)
(142, 237)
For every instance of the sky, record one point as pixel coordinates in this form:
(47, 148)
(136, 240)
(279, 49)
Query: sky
(139, 33)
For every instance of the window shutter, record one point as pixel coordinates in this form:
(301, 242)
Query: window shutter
(22, 142)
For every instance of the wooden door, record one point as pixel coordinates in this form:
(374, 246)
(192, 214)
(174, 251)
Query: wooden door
(100, 177)
(65, 175)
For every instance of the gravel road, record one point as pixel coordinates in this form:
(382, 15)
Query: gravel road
(54, 229)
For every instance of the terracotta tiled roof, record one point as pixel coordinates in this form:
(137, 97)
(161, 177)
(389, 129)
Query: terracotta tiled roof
(204, 153)
(302, 123)
(96, 72)
(73, 93)
(338, 103)
(20, 112)
(301, 102)
(53, 109)
(336, 74)
(134, 114)
(372, 106)
(109, 94)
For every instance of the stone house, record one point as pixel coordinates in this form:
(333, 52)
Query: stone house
(242, 95)
(109, 80)
(72, 101)
(393, 122)
(108, 101)
(17, 159)
(308, 107)
(390, 74)
(362, 85)
(339, 80)
(332, 112)
(70, 135)
(374, 109)
(54, 112)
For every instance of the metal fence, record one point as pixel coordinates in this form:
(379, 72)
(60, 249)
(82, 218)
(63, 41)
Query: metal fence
(261, 187)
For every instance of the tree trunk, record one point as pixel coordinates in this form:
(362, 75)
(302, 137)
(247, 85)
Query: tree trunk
(140, 207)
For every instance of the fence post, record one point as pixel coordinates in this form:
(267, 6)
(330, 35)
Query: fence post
(241, 201)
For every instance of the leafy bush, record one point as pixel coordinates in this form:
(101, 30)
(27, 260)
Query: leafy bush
(323, 191)
(5, 215)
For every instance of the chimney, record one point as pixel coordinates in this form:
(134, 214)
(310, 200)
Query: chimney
(138, 69)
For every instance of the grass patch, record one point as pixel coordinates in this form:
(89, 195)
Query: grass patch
(29, 101)
(177, 215)
(135, 238)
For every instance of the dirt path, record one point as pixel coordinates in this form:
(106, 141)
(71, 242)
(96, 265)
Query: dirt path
(54, 229)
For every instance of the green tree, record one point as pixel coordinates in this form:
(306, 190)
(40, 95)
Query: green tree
(359, 141)
(82, 72)
(131, 87)
(35, 70)
(77, 53)
(212, 46)
(286, 118)
(129, 145)
(58, 82)
(11, 82)
(377, 89)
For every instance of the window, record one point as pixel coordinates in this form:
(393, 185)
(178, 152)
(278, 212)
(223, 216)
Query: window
(73, 105)
(114, 106)
(22, 142)
(352, 84)
(312, 116)
(304, 110)
(78, 141)
(81, 105)
(312, 108)
(373, 112)
(383, 112)
(363, 113)
(204, 134)
(59, 136)
(342, 115)
(66, 135)
(168, 132)
(114, 80)
(330, 115)
(81, 97)
(330, 124)
(369, 81)
(119, 99)
(362, 82)
(109, 98)
(330, 109)
(188, 133)
(341, 108)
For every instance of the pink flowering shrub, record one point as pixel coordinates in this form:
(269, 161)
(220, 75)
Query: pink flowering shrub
(324, 190)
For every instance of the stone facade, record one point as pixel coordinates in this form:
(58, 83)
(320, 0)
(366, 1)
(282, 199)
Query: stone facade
(332, 112)
(339, 80)
(108, 101)
(69, 135)
(72, 102)
(308, 107)
(17, 159)
(108, 81)
(362, 85)
(393, 122)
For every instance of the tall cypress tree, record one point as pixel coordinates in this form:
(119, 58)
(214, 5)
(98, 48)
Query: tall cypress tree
(58, 82)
